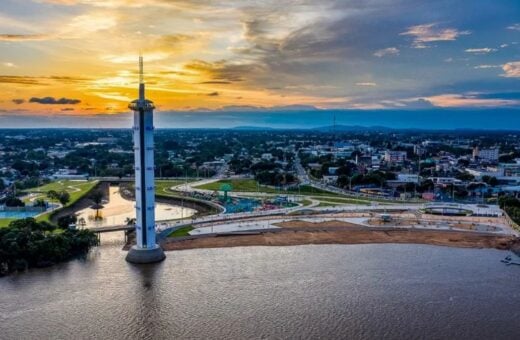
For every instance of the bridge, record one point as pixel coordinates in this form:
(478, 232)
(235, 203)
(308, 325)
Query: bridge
(112, 228)
(132, 179)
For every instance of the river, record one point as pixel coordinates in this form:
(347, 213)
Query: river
(312, 291)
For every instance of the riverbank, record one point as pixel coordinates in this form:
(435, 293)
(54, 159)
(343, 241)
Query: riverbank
(345, 235)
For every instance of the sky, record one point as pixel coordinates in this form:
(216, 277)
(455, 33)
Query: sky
(74, 61)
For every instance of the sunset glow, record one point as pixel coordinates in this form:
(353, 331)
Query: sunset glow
(207, 55)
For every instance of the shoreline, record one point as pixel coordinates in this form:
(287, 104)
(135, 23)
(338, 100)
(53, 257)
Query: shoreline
(347, 235)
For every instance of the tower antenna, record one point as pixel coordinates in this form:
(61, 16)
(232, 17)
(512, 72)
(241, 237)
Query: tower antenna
(141, 72)
(141, 78)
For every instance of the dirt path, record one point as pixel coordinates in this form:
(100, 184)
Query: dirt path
(349, 235)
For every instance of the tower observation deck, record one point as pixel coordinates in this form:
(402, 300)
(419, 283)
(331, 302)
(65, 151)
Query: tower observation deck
(146, 250)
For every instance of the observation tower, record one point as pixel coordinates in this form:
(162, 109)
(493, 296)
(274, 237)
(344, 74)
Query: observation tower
(145, 250)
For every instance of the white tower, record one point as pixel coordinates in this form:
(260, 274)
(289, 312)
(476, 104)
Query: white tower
(145, 250)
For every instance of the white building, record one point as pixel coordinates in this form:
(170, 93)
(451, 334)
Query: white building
(267, 156)
(486, 154)
(408, 178)
(395, 156)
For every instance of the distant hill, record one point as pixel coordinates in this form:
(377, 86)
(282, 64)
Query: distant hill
(252, 128)
(343, 128)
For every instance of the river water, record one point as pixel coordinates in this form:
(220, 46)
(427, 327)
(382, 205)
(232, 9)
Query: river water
(313, 291)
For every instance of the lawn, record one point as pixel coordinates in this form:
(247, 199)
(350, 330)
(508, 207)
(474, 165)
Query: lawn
(240, 185)
(343, 200)
(4, 222)
(326, 204)
(76, 189)
(250, 185)
(184, 231)
(163, 186)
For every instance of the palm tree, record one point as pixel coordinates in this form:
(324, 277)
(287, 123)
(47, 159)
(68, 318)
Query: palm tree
(97, 198)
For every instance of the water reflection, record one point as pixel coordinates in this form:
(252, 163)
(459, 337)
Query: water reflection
(118, 210)
(314, 291)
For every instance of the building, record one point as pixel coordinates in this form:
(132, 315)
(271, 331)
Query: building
(146, 250)
(395, 156)
(419, 150)
(486, 154)
(267, 156)
(330, 179)
(408, 178)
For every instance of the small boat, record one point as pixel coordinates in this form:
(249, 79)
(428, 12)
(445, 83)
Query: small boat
(508, 260)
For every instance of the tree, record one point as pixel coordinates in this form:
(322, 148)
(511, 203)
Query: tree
(52, 194)
(64, 197)
(14, 202)
(464, 176)
(27, 243)
(40, 202)
(491, 180)
(97, 198)
(65, 221)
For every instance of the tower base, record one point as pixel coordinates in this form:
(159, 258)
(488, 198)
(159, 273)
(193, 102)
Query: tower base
(145, 255)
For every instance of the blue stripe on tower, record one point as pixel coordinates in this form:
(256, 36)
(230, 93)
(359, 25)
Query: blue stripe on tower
(144, 206)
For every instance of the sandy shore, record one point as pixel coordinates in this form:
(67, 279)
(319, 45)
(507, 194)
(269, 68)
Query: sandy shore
(346, 235)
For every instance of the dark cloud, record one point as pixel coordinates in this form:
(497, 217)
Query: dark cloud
(213, 94)
(23, 37)
(52, 100)
(420, 103)
(67, 109)
(216, 82)
(44, 80)
(501, 95)
(223, 70)
(20, 80)
(18, 101)
(67, 80)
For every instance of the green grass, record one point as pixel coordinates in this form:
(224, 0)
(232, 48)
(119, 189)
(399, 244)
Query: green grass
(76, 189)
(305, 202)
(326, 204)
(310, 190)
(250, 185)
(4, 222)
(343, 200)
(241, 185)
(163, 186)
(184, 231)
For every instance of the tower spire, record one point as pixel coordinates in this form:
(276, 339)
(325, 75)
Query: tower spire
(141, 78)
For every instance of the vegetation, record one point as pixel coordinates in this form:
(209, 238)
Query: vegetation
(75, 189)
(250, 185)
(13, 202)
(63, 196)
(97, 198)
(342, 200)
(240, 185)
(27, 243)
(4, 222)
(511, 206)
(184, 231)
(163, 186)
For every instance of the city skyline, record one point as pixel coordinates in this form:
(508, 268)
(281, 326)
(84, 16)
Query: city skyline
(72, 61)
